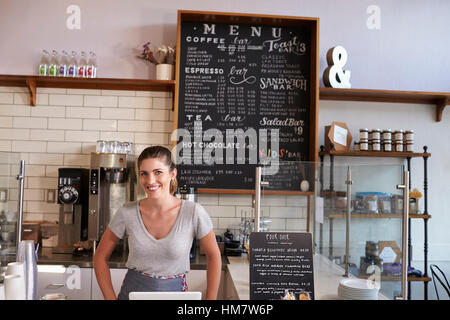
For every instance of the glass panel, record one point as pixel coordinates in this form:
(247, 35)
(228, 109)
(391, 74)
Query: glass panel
(9, 205)
(376, 206)
(286, 196)
(376, 227)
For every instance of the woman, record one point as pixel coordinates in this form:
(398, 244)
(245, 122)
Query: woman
(160, 231)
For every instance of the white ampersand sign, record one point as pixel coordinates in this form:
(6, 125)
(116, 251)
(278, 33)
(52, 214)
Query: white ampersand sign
(335, 76)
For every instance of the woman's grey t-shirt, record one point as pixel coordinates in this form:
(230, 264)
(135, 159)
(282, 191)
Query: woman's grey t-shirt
(167, 256)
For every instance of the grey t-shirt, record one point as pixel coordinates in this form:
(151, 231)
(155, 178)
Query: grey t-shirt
(167, 256)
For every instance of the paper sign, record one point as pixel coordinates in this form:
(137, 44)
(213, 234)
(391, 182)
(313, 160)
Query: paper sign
(340, 135)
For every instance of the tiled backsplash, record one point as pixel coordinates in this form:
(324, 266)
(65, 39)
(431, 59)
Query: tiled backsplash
(62, 130)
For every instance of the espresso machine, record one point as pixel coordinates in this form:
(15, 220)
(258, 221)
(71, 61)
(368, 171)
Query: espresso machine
(73, 191)
(112, 183)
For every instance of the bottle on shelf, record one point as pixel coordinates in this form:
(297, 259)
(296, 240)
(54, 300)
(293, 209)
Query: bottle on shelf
(63, 64)
(43, 65)
(92, 66)
(54, 64)
(72, 70)
(82, 65)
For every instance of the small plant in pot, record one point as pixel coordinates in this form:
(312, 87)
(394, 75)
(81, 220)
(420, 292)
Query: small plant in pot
(164, 59)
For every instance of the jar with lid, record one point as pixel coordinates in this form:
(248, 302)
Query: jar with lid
(364, 145)
(398, 135)
(376, 146)
(409, 146)
(387, 134)
(363, 134)
(387, 145)
(376, 134)
(399, 146)
(356, 146)
(409, 135)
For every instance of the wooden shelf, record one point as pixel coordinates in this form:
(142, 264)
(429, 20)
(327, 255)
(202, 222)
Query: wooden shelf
(377, 216)
(33, 82)
(440, 99)
(353, 153)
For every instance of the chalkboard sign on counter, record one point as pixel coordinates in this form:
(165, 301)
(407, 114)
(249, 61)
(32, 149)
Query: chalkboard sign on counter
(247, 91)
(281, 266)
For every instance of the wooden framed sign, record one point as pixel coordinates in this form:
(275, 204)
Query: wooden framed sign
(246, 94)
(281, 266)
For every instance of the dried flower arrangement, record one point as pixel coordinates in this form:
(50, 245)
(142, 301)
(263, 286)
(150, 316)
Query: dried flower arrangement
(162, 55)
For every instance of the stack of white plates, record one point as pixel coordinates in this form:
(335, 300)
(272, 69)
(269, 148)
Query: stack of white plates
(357, 289)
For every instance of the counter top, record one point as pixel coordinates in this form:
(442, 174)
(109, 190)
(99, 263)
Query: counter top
(326, 277)
(46, 256)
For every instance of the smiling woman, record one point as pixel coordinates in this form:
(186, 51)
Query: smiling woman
(160, 231)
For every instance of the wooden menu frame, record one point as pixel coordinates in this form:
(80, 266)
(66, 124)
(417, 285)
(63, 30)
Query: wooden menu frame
(270, 20)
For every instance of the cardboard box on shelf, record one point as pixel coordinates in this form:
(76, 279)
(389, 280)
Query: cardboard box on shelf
(337, 137)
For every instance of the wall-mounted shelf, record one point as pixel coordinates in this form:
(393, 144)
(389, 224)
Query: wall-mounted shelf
(440, 99)
(33, 82)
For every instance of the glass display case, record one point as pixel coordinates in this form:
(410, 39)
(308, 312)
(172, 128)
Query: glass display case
(355, 214)
(11, 200)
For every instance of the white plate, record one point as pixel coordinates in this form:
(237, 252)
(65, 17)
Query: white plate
(357, 284)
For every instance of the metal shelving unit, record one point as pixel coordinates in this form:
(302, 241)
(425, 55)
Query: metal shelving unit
(425, 216)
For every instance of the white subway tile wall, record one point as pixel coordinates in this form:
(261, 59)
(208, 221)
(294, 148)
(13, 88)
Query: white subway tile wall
(62, 130)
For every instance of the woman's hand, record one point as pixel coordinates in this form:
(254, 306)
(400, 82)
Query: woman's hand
(101, 257)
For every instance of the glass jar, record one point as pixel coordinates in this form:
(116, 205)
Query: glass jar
(376, 134)
(398, 135)
(356, 146)
(376, 146)
(364, 145)
(409, 146)
(399, 146)
(387, 145)
(364, 134)
(370, 145)
(409, 135)
(387, 134)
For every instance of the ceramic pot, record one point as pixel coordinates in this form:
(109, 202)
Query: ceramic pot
(164, 71)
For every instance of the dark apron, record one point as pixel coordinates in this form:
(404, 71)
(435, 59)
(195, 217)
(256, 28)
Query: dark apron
(135, 281)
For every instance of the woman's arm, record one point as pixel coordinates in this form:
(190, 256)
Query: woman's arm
(101, 257)
(213, 265)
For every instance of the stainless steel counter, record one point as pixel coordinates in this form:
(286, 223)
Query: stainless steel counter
(46, 256)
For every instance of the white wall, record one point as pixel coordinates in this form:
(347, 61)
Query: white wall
(408, 52)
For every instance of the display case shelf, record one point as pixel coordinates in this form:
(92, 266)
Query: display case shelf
(380, 154)
(377, 216)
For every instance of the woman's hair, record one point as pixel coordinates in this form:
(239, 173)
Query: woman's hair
(164, 155)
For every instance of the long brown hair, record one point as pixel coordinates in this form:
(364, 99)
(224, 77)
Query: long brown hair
(163, 154)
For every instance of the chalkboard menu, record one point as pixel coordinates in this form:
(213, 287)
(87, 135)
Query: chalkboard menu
(281, 266)
(246, 95)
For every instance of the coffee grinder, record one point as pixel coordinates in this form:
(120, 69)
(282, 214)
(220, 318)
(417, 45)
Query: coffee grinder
(112, 183)
(73, 190)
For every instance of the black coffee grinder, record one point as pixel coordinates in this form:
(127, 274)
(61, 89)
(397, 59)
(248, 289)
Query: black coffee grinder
(73, 198)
